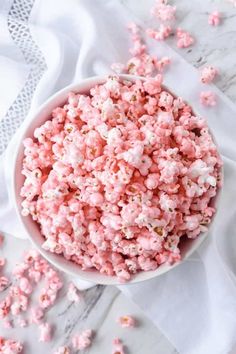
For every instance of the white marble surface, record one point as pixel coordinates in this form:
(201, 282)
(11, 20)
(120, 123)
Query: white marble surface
(102, 305)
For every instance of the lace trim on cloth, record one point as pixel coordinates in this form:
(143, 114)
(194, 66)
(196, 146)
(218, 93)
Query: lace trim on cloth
(19, 30)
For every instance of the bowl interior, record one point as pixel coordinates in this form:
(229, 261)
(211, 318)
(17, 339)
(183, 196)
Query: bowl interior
(187, 246)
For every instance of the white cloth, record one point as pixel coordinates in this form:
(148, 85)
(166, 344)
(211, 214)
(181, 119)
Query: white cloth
(194, 304)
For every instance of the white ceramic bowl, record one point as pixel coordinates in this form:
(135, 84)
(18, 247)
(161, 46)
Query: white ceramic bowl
(31, 227)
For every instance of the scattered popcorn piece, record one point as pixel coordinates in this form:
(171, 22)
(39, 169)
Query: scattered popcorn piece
(184, 39)
(214, 18)
(127, 321)
(10, 346)
(25, 286)
(163, 11)
(118, 347)
(208, 98)
(208, 73)
(45, 332)
(162, 63)
(37, 315)
(83, 340)
(161, 34)
(73, 293)
(62, 350)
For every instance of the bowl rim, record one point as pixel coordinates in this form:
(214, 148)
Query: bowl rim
(78, 272)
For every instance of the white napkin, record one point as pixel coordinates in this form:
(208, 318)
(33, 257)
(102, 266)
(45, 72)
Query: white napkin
(194, 304)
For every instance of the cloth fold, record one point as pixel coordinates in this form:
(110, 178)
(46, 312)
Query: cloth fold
(194, 304)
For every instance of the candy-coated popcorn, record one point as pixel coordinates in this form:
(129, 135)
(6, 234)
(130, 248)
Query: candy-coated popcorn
(83, 340)
(184, 39)
(73, 293)
(163, 11)
(118, 347)
(45, 330)
(214, 18)
(208, 98)
(62, 350)
(161, 34)
(10, 346)
(122, 174)
(37, 315)
(208, 73)
(25, 285)
(127, 321)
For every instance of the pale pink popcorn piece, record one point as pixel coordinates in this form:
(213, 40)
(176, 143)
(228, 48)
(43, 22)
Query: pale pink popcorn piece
(37, 315)
(118, 347)
(163, 11)
(127, 321)
(45, 330)
(83, 340)
(214, 18)
(208, 98)
(10, 346)
(208, 74)
(25, 286)
(73, 293)
(184, 39)
(62, 350)
(161, 34)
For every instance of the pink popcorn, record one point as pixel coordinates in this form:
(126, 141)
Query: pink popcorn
(127, 321)
(45, 330)
(37, 315)
(163, 11)
(62, 350)
(208, 73)
(47, 298)
(118, 347)
(208, 98)
(83, 340)
(115, 190)
(10, 346)
(73, 293)
(161, 34)
(25, 285)
(214, 18)
(184, 39)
